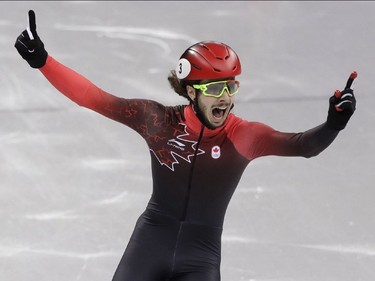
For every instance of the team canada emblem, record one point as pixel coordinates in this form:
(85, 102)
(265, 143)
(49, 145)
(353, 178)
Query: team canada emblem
(178, 148)
(215, 152)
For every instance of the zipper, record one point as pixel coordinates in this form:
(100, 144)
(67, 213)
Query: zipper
(188, 191)
(175, 251)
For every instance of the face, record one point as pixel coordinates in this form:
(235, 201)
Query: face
(214, 110)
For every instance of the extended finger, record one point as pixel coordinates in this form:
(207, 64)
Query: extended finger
(351, 78)
(31, 28)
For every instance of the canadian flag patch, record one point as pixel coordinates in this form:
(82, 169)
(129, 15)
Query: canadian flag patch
(215, 152)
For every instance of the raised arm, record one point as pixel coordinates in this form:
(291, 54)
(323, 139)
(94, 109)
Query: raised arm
(255, 139)
(67, 81)
(305, 144)
(134, 113)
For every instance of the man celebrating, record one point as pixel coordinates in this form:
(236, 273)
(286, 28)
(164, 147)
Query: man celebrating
(198, 154)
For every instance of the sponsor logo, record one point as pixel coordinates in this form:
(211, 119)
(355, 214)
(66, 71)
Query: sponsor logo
(177, 144)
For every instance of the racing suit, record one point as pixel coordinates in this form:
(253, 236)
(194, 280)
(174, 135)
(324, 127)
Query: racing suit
(195, 171)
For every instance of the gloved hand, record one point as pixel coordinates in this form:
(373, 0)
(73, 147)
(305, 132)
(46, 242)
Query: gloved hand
(29, 45)
(342, 106)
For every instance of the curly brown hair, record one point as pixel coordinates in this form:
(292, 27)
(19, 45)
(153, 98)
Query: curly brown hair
(179, 86)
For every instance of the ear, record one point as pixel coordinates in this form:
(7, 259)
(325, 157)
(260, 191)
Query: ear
(191, 92)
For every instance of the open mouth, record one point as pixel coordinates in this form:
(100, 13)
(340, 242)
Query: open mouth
(219, 112)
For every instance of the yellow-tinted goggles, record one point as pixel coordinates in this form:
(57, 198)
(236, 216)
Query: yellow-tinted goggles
(216, 89)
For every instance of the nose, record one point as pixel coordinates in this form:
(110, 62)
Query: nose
(225, 96)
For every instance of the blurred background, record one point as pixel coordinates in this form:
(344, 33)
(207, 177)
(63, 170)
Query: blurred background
(73, 183)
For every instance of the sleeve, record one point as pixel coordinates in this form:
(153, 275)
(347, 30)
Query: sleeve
(257, 139)
(138, 114)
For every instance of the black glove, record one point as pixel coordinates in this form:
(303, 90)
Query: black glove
(29, 45)
(341, 108)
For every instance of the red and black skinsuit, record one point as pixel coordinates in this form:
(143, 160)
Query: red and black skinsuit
(195, 171)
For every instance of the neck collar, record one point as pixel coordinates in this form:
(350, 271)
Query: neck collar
(195, 125)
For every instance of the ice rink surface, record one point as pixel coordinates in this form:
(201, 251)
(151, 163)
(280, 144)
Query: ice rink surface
(72, 183)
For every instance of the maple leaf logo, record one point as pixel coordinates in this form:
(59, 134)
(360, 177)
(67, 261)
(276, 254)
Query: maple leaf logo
(177, 148)
(215, 152)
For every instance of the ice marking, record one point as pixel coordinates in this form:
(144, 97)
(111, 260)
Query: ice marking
(149, 35)
(344, 249)
(238, 239)
(62, 215)
(103, 164)
(257, 189)
(115, 199)
(17, 250)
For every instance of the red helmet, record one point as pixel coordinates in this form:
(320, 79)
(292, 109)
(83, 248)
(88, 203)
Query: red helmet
(208, 60)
